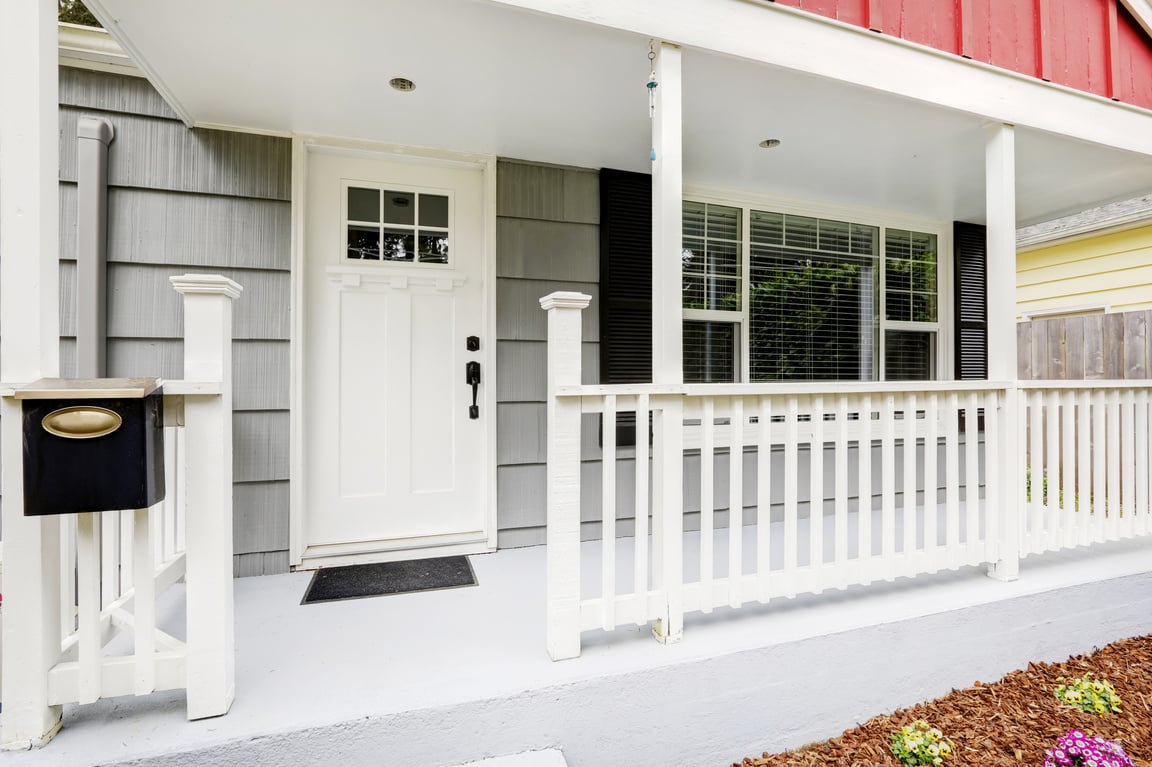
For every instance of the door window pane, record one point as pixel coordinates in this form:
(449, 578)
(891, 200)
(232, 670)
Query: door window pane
(363, 242)
(363, 204)
(434, 210)
(433, 248)
(397, 245)
(399, 207)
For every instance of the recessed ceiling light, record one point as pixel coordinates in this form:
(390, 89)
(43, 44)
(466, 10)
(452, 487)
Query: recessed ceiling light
(769, 143)
(402, 84)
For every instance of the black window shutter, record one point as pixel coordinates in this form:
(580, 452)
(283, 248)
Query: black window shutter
(625, 277)
(970, 249)
(625, 284)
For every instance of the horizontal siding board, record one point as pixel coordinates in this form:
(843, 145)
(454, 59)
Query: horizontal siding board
(145, 358)
(581, 196)
(522, 370)
(67, 358)
(260, 518)
(206, 231)
(547, 250)
(519, 316)
(261, 563)
(142, 303)
(1106, 270)
(261, 371)
(529, 190)
(67, 228)
(521, 493)
(260, 445)
(547, 192)
(521, 429)
(154, 153)
(1100, 283)
(109, 92)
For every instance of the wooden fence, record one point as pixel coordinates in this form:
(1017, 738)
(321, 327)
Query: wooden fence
(1088, 347)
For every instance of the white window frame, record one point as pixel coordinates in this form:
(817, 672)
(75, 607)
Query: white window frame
(883, 220)
(415, 191)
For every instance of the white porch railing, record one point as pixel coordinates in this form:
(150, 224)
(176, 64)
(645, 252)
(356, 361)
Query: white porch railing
(835, 484)
(1087, 458)
(110, 568)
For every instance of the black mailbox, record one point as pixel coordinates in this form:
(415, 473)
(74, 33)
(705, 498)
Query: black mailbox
(92, 444)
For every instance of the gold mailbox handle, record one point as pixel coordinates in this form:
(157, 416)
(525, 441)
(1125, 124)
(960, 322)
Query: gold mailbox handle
(81, 422)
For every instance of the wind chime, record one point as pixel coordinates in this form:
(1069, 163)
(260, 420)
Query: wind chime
(651, 85)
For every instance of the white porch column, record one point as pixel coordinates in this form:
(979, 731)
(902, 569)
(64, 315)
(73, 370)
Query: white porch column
(211, 661)
(563, 474)
(29, 349)
(667, 338)
(667, 215)
(1000, 198)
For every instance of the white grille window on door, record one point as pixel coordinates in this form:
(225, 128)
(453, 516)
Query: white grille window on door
(396, 225)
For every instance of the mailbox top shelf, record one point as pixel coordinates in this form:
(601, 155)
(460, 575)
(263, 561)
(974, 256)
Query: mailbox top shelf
(88, 388)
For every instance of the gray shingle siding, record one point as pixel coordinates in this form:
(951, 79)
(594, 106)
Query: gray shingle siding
(183, 200)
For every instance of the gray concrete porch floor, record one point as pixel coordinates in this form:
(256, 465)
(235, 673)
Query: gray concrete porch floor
(446, 677)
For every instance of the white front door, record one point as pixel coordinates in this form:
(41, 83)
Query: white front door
(396, 460)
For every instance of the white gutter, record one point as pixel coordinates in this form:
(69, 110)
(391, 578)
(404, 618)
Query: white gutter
(93, 48)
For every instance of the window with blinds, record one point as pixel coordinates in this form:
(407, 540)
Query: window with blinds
(777, 296)
(812, 298)
(812, 303)
(711, 256)
(711, 351)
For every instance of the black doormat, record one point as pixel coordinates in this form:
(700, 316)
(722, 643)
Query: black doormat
(330, 584)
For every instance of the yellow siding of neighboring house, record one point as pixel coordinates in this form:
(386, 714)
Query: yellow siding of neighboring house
(1113, 270)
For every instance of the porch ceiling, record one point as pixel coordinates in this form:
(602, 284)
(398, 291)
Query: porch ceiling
(495, 79)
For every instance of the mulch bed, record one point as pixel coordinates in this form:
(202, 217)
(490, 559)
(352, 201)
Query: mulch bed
(1009, 722)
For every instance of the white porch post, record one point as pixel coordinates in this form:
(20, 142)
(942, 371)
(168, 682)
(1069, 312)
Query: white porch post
(211, 660)
(667, 215)
(29, 349)
(667, 339)
(1003, 501)
(563, 474)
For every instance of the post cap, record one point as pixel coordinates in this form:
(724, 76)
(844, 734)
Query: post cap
(565, 299)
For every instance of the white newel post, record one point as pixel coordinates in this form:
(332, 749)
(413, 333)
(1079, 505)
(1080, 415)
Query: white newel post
(1005, 500)
(563, 472)
(29, 349)
(667, 337)
(211, 659)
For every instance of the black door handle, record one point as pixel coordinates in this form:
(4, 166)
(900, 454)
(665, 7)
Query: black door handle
(472, 376)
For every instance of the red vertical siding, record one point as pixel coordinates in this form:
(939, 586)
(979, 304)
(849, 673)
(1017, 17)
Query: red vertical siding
(1091, 45)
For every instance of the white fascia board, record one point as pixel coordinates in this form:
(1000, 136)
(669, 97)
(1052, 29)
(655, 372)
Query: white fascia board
(767, 32)
(112, 27)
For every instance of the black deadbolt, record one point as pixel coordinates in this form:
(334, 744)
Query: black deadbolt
(473, 343)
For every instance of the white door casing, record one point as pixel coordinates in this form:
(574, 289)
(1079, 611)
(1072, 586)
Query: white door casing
(393, 466)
